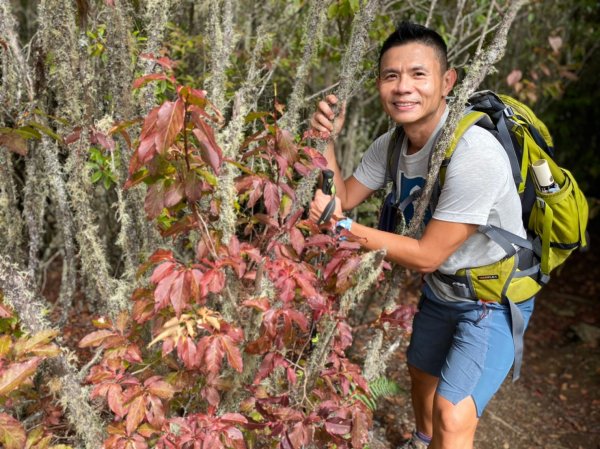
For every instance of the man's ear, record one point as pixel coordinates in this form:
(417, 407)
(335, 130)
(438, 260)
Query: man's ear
(449, 80)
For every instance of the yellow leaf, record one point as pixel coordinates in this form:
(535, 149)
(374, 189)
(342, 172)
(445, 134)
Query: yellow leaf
(16, 374)
(5, 343)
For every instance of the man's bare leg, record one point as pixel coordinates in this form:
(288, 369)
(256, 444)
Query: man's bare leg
(422, 390)
(453, 425)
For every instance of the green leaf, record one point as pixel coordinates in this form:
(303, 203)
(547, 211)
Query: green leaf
(47, 131)
(96, 176)
(255, 115)
(208, 176)
(28, 132)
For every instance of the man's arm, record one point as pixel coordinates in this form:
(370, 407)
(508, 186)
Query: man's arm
(350, 191)
(440, 239)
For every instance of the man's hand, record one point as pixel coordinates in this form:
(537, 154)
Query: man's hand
(324, 119)
(319, 203)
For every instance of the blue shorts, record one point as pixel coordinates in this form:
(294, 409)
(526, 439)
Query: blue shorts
(467, 344)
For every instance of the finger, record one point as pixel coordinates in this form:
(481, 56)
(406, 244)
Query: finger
(325, 108)
(331, 99)
(321, 123)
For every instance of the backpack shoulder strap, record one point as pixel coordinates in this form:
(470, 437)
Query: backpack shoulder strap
(468, 120)
(393, 154)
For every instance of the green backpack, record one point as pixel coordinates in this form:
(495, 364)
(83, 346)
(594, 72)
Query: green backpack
(555, 222)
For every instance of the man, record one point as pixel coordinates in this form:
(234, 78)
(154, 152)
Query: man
(461, 349)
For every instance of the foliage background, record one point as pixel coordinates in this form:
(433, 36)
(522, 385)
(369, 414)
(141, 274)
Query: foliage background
(66, 76)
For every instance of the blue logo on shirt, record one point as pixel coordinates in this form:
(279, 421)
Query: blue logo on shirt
(407, 187)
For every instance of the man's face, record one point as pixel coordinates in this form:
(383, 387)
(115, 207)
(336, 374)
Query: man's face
(412, 86)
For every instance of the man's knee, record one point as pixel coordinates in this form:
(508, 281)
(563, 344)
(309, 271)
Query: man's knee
(455, 419)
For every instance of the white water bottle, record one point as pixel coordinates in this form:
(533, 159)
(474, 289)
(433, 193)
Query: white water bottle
(543, 176)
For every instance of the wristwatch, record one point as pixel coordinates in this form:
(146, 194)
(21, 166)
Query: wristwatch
(344, 223)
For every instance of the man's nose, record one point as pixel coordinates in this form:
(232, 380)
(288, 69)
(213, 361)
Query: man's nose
(403, 84)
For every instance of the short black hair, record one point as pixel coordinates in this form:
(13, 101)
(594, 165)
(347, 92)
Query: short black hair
(408, 32)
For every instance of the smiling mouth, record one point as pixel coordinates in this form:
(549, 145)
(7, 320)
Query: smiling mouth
(404, 104)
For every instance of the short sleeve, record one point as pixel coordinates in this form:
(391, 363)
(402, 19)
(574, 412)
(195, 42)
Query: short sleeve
(371, 172)
(475, 178)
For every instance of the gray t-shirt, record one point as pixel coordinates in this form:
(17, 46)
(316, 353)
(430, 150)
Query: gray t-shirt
(478, 189)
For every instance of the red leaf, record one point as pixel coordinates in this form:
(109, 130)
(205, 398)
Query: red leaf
(95, 338)
(211, 394)
(187, 352)
(115, 400)
(269, 363)
(159, 388)
(149, 125)
(260, 345)
(234, 357)
(346, 270)
(162, 254)
(267, 220)
(234, 418)
(155, 412)
(143, 80)
(179, 293)
(297, 317)
(213, 356)
(174, 194)
(297, 240)
(344, 336)
(514, 77)
(168, 124)
(162, 291)
(5, 312)
(74, 136)
(211, 153)
(12, 433)
(135, 414)
(261, 304)
(155, 200)
(301, 435)
(338, 426)
(16, 374)
(320, 240)
(272, 198)
(162, 271)
(14, 142)
(256, 192)
(214, 280)
(103, 140)
(401, 316)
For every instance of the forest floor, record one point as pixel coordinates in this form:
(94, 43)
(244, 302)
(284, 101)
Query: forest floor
(556, 402)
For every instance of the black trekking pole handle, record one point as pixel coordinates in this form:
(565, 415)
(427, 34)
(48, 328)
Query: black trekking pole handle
(328, 188)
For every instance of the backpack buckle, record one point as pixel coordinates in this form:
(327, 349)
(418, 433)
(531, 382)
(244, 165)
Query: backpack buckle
(541, 203)
(508, 111)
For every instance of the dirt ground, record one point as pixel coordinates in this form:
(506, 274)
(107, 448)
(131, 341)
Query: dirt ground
(556, 403)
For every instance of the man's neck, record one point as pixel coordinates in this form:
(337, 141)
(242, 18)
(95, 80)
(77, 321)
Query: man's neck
(419, 133)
